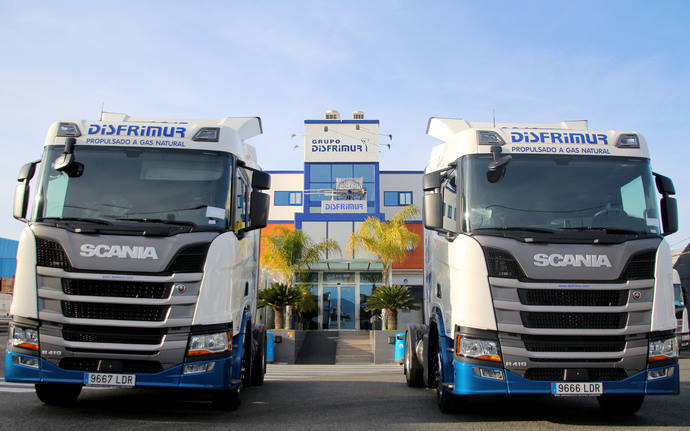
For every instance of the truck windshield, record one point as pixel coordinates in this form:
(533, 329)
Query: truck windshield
(134, 185)
(559, 194)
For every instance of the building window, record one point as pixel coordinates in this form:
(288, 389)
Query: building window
(396, 199)
(287, 198)
(323, 178)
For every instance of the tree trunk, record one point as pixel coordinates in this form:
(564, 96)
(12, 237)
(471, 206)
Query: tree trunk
(288, 317)
(392, 319)
(278, 322)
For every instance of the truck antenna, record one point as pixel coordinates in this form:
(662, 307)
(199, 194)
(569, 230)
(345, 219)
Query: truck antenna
(101, 116)
(493, 114)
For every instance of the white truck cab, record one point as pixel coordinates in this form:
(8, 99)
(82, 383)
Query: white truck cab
(682, 330)
(138, 264)
(546, 268)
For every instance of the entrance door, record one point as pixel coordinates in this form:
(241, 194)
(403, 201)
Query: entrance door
(338, 307)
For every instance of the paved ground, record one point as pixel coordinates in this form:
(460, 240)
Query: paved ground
(338, 397)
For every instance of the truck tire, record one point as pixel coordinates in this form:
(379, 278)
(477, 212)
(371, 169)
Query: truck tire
(413, 368)
(620, 404)
(259, 360)
(226, 400)
(58, 394)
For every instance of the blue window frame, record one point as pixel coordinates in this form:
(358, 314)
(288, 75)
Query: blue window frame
(287, 198)
(397, 199)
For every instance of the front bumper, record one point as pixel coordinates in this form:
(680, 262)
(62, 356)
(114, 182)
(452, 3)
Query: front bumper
(466, 382)
(219, 378)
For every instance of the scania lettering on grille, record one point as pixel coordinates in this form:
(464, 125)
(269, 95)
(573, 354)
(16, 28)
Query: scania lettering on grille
(576, 260)
(121, 251)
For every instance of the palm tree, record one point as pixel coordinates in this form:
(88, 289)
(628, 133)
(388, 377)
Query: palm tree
(390, 240)
(391, 299)
(279, 296)
(289, 252)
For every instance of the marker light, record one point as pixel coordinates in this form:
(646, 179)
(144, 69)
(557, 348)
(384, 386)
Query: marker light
(25, 338)
(206, 344)
(488, 137)
(477, 348)
(68, 129)
(207, 134)
(660, 350)
(628, 141)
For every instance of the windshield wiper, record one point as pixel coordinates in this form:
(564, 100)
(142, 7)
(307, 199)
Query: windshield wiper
(513, 228)
(84, 219)
(612, 230)
(158, 220)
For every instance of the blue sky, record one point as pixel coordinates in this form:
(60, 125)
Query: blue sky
(620, 65)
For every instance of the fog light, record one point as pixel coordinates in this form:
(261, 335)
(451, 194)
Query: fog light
(660, 373)
(488, 373)
(200, 367)
(26, 361)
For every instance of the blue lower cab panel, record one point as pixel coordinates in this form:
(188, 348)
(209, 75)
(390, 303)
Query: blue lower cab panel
(218, 378)
(467, 382)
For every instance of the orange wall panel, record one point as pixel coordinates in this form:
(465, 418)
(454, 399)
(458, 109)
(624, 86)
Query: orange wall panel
(414, 260)
(269, 229)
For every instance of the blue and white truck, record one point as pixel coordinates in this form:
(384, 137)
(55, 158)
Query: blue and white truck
(138, 264)
(546, 268)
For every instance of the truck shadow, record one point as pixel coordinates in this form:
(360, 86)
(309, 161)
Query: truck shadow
(359, 403)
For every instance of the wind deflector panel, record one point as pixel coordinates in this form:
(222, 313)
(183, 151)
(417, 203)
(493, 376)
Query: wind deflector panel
(190, 259)
(640, 266)
(50, 253)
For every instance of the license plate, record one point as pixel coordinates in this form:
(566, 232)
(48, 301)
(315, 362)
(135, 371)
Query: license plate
(107, 379)
(574, 389)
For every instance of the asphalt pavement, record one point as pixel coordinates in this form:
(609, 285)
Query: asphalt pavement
(329, 397)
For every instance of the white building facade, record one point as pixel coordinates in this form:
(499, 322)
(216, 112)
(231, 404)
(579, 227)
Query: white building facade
(340, 186)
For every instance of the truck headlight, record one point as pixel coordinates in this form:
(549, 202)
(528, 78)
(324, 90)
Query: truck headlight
(26, 338)
(477, 348)
(663, 349)
(206, 344)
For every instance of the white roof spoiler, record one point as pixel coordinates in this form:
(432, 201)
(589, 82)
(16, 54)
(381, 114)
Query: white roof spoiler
(445, 128)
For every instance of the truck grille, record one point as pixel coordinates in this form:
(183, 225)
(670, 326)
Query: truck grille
(573, 298)
(123, 289)
(593, 374)
(88, 310)
(573, 344)
(106, 334)
(574, 320)
(125, 366)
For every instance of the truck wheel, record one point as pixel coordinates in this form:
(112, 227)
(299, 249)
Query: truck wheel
(621, 404)
(259, 361)
(414, 370)
(58, 394)
(227, 400)
(246, 367)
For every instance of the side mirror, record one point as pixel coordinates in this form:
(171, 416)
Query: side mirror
(258, 211)
(497, 168)
(432, 213)
(21, 192)
(669, 214)
(261, 180)
(664, 185)
(432, 181)
(65, 162)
